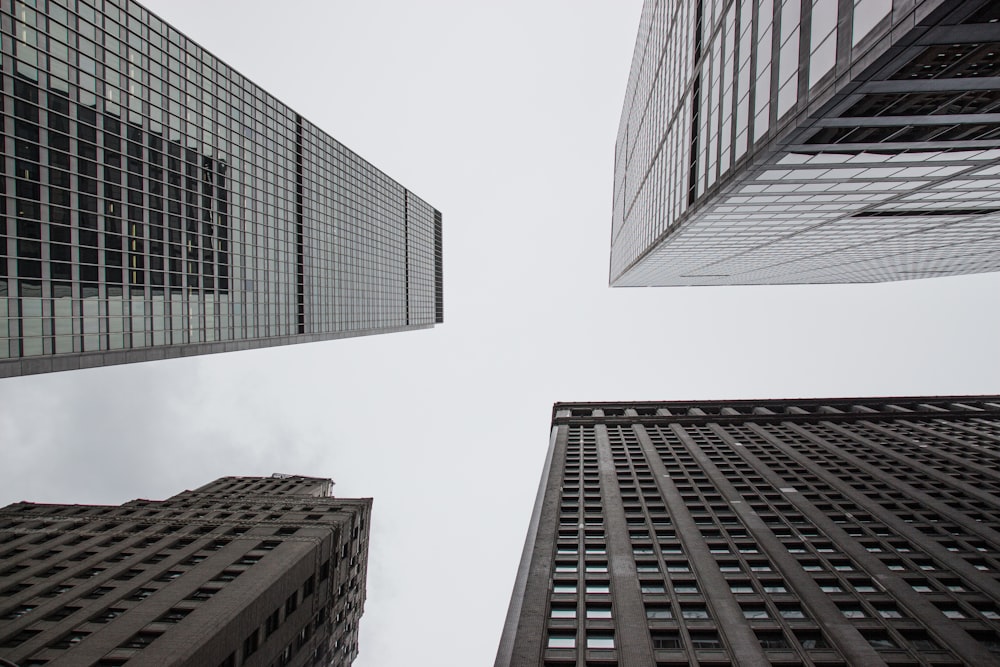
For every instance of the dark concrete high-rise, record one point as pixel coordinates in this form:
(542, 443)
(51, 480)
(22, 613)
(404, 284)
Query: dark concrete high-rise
(262, 572)
(821, 141)
(833, 532)
(155, 203)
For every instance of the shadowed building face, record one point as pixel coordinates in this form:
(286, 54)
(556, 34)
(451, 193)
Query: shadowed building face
(242, 571)
(827, 532)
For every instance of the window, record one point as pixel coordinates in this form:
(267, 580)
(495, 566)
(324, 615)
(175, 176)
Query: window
(601, 588)
(888, 611)
(600, 640)
(659, 612)
(791, 612)
(920, 640)
(695, 613)
(292, 603)
(561, 640)
(987, 638)
(772, 640)
(202, 594)
(705, 639)
(17, 612)
(811, 639)
(687, 588)
(19, 638)
(271, 624)
(70, 639)
(988, 611)
(140, 594)
(61, 613)
(666, 639)
(174, 615)
(55, 590)
(864, 585)
(880, 640)
(251, 644)
(562, 612)
(170, 575)
(755, 612)
(140, 640)
(108, 615)
(852, 611)
(598, 612)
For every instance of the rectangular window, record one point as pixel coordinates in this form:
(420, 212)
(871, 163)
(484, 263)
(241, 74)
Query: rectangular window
(251, 644)
(705, 639)
(562, 640)
(659, 612)
(562, 612)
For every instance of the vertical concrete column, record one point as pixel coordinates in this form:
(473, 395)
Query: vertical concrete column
(632, 635)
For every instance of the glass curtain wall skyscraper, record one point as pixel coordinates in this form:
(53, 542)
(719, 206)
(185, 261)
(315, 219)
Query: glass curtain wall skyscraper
(254, 571)
(823, 532)
(814, 141)
(156, 203)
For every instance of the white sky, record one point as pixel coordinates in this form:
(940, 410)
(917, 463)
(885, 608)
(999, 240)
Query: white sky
(503, 115)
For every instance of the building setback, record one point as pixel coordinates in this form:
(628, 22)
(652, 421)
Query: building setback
(781, 142)
(833, 532)
(262, 572)
(154, 203)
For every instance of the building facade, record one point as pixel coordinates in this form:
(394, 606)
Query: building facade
(830, 533)
(821, 141)
(262, 572)
(158, 204)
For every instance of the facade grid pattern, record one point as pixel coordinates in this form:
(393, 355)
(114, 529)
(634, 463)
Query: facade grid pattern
(766, 142)
(265, 572)
(800, 532)
(157, 203)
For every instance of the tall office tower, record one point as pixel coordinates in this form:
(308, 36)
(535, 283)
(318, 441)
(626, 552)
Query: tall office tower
(155, 203)
(831, 533)
(779, 141)
(262, 572)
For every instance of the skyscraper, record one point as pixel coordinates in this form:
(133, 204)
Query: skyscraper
(781, 532)
(158, 204)
(778, 141)
(242, 571)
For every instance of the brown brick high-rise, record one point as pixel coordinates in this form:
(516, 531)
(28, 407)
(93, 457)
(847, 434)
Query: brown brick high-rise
(262, 572)
(780, 532)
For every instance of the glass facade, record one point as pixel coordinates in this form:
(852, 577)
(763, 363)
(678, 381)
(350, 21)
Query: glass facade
(770, 142)
(156, 203)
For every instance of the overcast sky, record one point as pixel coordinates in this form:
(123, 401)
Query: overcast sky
(502, 115)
